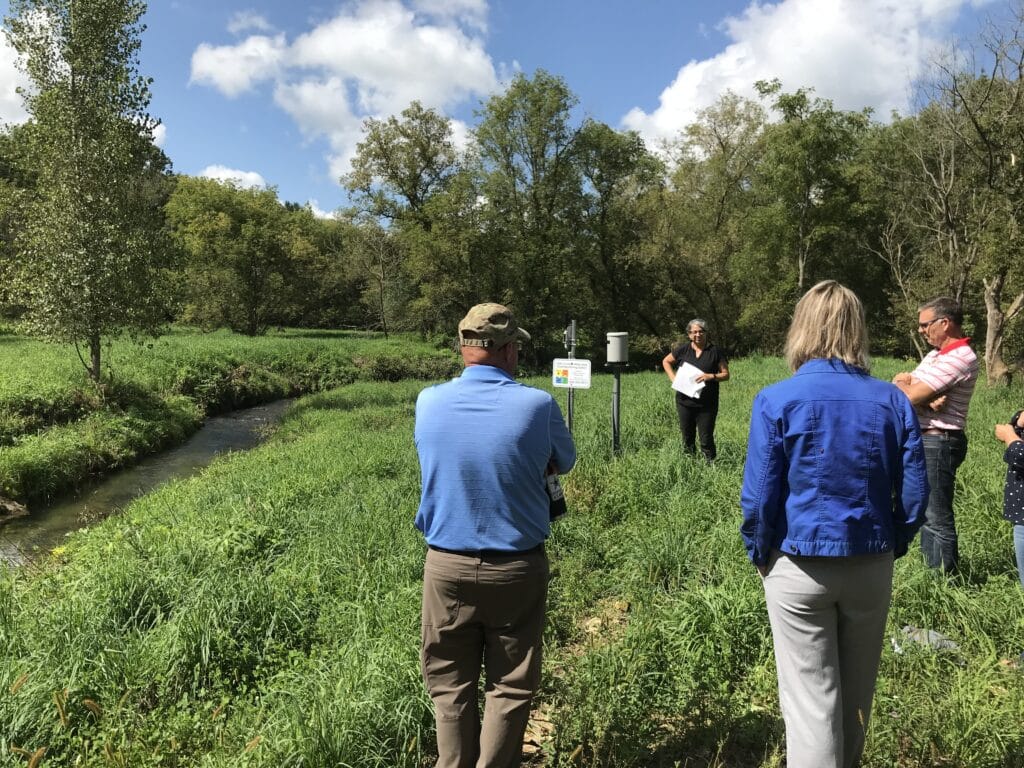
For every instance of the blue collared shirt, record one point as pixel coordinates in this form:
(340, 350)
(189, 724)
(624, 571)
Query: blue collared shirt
(484, 442)
(835, 466)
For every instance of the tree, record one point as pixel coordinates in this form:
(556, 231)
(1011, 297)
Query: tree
(617, 172)
(703, 213)
(379, 256)
(987, 108)
(324, 288)
(807, 210)
(236, 241)
(532, 192)
(406, 174)
(90, 251)
(400, 164)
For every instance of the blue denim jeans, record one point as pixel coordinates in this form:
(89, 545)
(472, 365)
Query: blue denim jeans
(1018, 546)
(943, 455)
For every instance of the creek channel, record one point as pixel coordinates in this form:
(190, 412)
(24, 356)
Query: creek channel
(23, 538)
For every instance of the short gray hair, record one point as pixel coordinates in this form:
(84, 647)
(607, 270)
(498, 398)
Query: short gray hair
(697, 321)
(944, 306)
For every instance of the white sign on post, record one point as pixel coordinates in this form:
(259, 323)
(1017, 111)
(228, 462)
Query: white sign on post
(570, 373)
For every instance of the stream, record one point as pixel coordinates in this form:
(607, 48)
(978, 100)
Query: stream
(23, 538)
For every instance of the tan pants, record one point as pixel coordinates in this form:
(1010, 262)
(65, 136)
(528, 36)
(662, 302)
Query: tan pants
(828, 618)
(487, 611)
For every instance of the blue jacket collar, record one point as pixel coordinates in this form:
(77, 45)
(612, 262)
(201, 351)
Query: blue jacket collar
(831, 365)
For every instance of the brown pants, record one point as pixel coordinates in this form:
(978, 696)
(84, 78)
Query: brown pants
(489, 611)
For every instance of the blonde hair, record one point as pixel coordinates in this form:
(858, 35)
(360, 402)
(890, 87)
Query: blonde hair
(828, 322)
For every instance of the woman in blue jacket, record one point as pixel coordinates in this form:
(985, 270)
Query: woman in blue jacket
(834, 488)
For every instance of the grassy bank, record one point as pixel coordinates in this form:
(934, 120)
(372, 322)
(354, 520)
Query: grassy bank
(265, 613)
(57, 428)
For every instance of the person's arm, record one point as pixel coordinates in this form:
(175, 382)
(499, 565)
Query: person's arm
(1007, 434)
(911, 496)
(1010, 434)
(563, 449)
(764, 475)
(916, 390)
(667, 363)
(722, 374)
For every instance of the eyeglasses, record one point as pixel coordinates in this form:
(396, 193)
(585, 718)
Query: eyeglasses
(697, 330)
(927, 323)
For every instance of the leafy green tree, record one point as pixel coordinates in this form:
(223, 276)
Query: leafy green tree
(532, 193)
(236, 240)
(704, 211)
(91, 257)
(986, 111)
(617, 172)
(324, 289)
(807, 208)
(400, 164)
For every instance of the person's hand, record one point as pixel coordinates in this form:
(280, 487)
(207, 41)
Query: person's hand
(1020, 420)
(1005, 433)
(937, 403)
(705, 377)
(902, 378)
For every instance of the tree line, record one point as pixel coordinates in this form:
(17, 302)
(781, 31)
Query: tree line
(558, 215)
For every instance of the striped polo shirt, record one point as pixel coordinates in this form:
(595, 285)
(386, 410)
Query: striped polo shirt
(951, 371)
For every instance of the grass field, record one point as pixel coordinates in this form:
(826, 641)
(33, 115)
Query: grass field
(266, 612)
(57, 428)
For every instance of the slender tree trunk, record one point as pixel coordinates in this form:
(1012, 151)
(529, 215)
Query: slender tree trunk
(997, 371)
(95, 350)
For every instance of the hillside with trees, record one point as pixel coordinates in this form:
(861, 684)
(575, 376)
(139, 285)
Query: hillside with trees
(555, 213)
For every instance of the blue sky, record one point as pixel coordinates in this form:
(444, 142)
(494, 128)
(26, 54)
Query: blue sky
(274, 91)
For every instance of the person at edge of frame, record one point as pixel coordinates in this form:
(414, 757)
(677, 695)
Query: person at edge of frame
(697, 415)
(1012, 435)
(485, 445)
(834, 489)
(940, 389)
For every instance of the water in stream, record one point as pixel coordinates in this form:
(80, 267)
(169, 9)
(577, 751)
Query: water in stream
(23, 538)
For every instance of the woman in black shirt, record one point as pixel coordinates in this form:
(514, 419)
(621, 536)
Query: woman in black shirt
(698, 414)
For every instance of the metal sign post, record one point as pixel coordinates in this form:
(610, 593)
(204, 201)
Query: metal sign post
(570, 345)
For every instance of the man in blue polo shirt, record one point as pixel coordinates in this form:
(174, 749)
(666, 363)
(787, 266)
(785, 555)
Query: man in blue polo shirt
(485, 444)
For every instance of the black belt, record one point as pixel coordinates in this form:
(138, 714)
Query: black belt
(489, 552)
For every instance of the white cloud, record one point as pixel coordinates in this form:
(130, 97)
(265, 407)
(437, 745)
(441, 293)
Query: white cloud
(11, 78)
(234, 69)
(858, 53)
(392, 58)
(248, 21)
(160, 135)
(247, 179)
(320, 213)
(461, 135)
(371, 59)
(471, 13)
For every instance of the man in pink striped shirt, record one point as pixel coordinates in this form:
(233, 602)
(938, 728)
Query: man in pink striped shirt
(940, 389)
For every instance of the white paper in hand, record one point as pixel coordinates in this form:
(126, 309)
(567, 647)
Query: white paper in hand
(685, 380)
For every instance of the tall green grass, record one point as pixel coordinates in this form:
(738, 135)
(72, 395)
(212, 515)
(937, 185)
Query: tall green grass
(57, 428)
(266, 613)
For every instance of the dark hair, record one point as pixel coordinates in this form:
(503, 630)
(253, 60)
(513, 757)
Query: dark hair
(944, 306)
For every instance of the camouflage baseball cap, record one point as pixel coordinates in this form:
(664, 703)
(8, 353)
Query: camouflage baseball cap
(490, 326)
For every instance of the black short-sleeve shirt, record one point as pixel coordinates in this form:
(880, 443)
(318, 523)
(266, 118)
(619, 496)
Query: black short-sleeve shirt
(710, 361)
